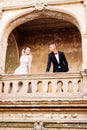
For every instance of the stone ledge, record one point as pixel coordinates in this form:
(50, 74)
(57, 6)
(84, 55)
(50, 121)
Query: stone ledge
(47, 125)
(8, 5)
(41, 97)
(54, 114)
(75, 104)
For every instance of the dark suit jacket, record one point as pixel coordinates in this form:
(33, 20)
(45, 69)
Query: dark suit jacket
(62, 66)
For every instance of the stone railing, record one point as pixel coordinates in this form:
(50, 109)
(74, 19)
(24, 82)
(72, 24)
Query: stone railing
(43, 86)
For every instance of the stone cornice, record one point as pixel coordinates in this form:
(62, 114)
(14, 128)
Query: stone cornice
(58, 104)
(39, 4)
(24, 114)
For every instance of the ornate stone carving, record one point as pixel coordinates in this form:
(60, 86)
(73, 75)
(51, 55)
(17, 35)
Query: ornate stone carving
(40, 5)
(39, 125)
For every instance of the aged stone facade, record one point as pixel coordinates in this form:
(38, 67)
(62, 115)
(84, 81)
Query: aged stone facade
(36, 24)
(39, 40)
(44, 101)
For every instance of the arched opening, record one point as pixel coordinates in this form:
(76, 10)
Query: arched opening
(12, 55)
(38, 33)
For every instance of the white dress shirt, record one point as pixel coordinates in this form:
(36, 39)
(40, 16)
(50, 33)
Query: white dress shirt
(57, 57)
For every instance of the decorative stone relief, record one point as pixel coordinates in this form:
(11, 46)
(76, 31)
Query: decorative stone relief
(39, 120)
(37, 4)
(38, 125)
(40, 5)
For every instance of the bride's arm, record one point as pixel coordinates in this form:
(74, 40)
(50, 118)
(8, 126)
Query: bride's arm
(30, 64)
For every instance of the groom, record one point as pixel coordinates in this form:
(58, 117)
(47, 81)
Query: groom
(58, 59)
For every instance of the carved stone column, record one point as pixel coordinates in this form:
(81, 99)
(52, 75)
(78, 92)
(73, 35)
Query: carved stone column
(3, 48)
(85, 5)
(84, 52)
(15, 87)
(0, 58)
(84, 41)
(3, 56)
(6, 88)
(84, 84)
(0, 44)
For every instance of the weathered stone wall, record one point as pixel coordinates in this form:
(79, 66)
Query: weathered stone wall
(12, 56)
(68, 40)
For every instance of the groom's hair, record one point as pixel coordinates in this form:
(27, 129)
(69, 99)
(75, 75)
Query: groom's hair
(53, 44)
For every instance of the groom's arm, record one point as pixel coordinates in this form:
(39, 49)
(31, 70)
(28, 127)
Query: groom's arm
(48, 64)
(65, 63)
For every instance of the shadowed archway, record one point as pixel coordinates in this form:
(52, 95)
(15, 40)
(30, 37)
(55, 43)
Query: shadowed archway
(58, 20)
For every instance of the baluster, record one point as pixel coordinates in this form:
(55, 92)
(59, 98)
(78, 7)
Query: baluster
(29, 90)
(20, 87)
(39, 86)
(75, 85)
(1, 86)
(49, 89)
(15, 87)
(45, 86)
(25, 87)
(70, 87)
(54, 86)
(34, 86)
(6, 87)
(65, 86)
(10, 87)
(79, 85)
(59, 86)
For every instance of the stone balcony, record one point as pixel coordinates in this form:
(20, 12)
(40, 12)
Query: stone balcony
(48, 86)
(58, 101)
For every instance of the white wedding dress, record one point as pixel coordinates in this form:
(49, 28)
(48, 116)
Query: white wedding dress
(23, 67)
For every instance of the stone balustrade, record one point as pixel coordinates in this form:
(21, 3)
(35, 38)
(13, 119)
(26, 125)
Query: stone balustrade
(43, 86)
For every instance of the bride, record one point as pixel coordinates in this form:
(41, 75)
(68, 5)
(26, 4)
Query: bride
(25, 62)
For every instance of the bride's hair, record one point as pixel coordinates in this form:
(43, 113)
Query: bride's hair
(23, 51)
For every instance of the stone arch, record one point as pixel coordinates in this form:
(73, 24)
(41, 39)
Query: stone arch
(12, 55)
(36, 15)
(31, 15)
